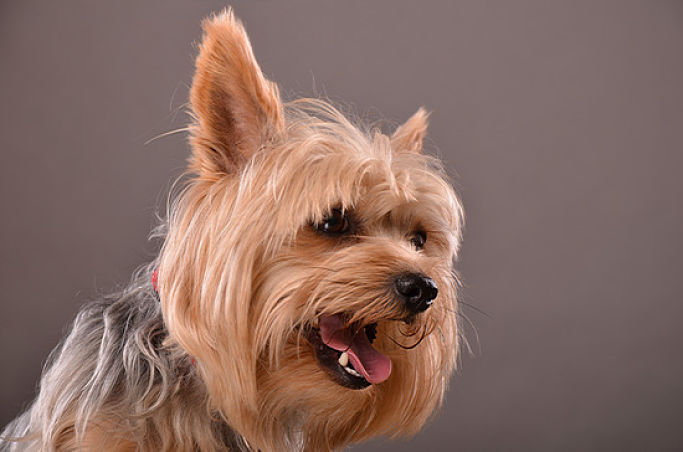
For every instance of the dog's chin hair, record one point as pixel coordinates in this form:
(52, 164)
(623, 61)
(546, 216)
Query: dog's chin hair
(218, 358)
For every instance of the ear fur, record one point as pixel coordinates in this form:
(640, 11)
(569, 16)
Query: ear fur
(409, 136)
(236, 108)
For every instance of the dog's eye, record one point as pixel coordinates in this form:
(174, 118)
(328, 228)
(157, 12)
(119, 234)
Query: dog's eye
(335, 223)
(418, 239)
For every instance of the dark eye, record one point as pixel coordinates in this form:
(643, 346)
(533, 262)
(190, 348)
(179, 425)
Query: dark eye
(418, 239)
(336, 223)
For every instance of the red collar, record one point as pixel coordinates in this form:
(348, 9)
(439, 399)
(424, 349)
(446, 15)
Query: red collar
(155, 280)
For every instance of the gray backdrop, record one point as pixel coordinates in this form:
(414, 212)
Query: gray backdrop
(561, 121)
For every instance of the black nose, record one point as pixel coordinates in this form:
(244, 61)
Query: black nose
(417, 291)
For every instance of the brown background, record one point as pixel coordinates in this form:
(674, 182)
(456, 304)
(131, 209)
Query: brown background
(562, 122)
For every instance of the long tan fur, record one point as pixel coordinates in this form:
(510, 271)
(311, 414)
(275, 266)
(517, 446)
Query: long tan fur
(222, 362)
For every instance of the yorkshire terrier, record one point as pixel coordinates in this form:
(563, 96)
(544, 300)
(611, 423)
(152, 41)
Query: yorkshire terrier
(304, 297)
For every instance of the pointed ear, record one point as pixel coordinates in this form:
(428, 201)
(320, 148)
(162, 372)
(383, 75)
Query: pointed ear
(409, 136)
(236, 108)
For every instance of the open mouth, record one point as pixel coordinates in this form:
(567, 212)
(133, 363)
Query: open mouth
(346, 353)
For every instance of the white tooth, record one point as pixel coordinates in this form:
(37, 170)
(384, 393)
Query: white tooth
(352, 371)
(344, 359)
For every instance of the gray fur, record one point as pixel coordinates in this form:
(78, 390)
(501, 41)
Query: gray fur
(116, 367)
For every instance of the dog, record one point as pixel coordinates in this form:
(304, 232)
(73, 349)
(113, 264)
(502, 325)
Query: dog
(304, 297)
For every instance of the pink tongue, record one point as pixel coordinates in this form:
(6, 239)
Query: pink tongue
(374, 366)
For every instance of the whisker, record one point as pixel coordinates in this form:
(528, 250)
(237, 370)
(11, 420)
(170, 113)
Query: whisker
(165, 134)
(467, 305)
(474, 329)
(410, 347)
(474, 308)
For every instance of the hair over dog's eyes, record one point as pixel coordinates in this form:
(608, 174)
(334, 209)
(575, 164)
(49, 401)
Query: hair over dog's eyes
(336, 223)
(418, 239)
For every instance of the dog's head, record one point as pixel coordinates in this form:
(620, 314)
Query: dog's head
(308, 265)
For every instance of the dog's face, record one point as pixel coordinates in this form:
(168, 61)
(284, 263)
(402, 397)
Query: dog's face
(308, 265)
